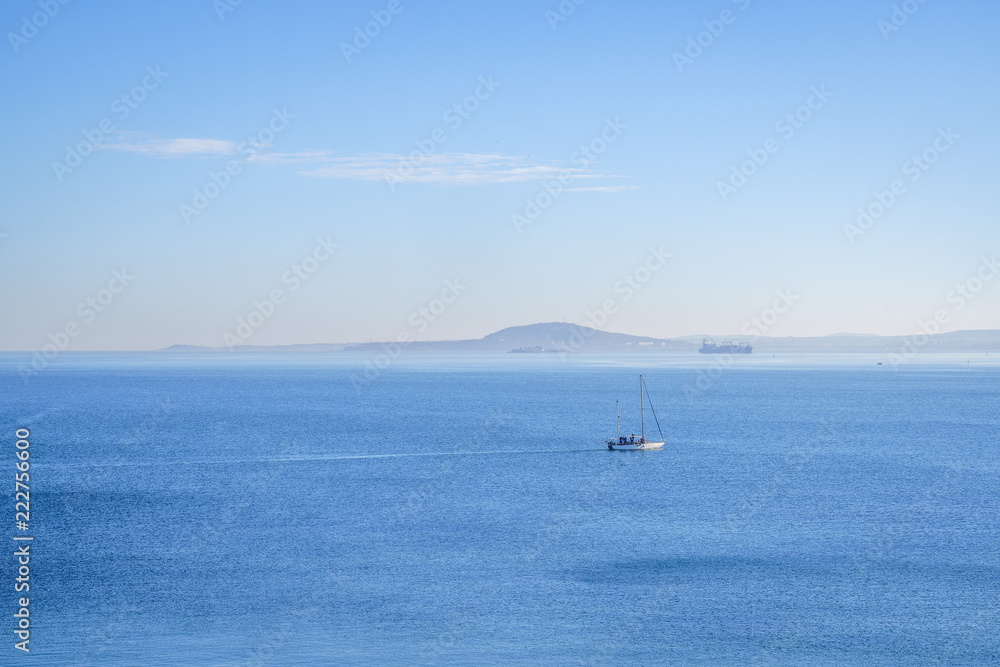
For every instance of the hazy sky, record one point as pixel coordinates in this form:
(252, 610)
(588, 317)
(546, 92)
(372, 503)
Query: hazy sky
(322, 129)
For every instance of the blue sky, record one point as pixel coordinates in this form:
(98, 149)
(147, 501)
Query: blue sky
(556, 86)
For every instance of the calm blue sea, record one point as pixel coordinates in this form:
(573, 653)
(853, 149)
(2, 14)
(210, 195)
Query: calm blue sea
(261, 510)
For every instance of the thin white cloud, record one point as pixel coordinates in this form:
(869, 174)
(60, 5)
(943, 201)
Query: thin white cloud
(302, 157)
(168, 148)
(604, 188)
(392, 168)
(442, 169)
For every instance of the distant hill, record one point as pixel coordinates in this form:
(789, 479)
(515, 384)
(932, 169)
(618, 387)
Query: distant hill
(550, 336)
(573, 338)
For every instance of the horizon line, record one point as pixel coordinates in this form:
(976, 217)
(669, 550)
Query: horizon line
(740, 337)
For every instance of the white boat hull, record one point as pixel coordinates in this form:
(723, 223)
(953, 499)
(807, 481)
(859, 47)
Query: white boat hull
(629, 442)
(635, 445)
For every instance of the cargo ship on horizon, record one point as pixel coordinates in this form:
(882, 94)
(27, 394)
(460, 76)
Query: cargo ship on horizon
(708, 346)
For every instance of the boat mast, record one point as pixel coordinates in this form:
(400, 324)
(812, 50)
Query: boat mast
(619, 411)
(642, 409)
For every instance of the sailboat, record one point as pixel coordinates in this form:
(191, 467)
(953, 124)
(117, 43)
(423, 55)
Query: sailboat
(630, 442)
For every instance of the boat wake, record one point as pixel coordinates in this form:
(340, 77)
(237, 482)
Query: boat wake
(306, 459)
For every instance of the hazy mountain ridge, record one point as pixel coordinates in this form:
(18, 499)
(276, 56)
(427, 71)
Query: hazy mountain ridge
(576, 338)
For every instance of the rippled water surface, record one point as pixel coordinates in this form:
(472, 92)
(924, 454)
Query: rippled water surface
(261, 510)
